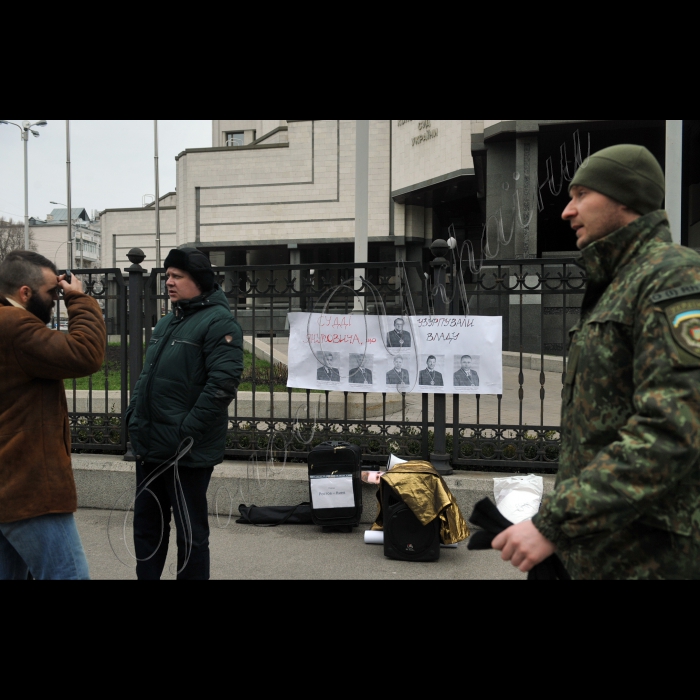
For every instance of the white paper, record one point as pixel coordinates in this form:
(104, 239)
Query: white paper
(412, 354)
(332, 491)
(518, 497)
(377, 537)
(374, 537)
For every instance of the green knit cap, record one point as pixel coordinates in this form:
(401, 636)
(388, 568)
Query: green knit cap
(629, 174)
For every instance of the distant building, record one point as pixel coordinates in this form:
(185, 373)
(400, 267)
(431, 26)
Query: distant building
(51, 238)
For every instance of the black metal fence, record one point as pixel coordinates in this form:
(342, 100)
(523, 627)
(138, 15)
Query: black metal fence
(538, 301)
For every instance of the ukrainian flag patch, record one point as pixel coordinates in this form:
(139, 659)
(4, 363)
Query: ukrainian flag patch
(684, 320)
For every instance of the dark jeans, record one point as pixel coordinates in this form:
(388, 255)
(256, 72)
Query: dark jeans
(150, 520)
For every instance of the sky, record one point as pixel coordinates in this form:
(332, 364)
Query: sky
(112, 162)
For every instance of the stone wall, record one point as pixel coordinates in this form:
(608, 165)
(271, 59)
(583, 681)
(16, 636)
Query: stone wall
(123, 229)
(427, 149)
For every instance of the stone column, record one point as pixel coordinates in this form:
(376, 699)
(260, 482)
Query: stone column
(499, 197)
(524, 180)
(415, 221)
(500, 166)
(428, 224)
(529, 306)
(674, 176)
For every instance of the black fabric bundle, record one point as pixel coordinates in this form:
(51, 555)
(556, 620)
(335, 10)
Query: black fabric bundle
(271, 516)
(487, 516)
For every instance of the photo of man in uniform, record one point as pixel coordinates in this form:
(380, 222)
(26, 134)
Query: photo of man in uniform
(429, 376)
(326, 372)
(398, 338)
(465, 375)
(360, 374)
(398, 375)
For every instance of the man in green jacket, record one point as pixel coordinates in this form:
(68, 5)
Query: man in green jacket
(191, 372)
(626, 503)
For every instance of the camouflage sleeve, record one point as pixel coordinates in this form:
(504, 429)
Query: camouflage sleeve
(641, 475)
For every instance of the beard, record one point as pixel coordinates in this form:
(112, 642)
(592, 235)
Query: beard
(40, 309)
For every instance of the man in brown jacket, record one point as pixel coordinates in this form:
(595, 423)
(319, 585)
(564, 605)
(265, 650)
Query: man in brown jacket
(37, 490)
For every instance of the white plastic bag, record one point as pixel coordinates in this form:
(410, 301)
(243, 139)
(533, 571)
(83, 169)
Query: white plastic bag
(518, 497)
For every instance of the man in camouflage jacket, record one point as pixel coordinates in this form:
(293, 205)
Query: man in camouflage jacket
(626, 503)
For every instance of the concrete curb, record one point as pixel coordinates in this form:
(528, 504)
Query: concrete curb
(106, 482)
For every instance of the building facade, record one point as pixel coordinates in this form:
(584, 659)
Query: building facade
(127, 228)
(51, 238)
(283, 191)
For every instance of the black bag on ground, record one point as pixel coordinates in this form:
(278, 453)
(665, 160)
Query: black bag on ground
(270, 516)
(405, 537)
(335, 485)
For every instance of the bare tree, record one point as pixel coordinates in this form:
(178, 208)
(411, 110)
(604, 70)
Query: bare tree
(12, 237)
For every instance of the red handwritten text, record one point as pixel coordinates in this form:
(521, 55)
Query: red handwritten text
(335, 338)
(337, 322)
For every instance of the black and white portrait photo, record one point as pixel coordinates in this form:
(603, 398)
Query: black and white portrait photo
(430, 376)
(361, 368)
(328, 371)
(398, 337)
(466, 374)
(398, 375)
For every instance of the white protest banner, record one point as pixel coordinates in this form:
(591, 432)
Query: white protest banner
(332, 491)
(412, 354)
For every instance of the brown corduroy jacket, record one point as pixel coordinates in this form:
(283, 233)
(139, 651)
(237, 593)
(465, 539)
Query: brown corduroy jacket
(36, 475)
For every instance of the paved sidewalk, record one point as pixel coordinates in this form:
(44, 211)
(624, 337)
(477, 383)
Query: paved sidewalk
(285, 553)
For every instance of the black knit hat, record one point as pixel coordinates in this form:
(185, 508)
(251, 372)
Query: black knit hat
(196, 263)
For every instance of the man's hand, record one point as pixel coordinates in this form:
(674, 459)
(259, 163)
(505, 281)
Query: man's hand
(524, 546)
(75, 285)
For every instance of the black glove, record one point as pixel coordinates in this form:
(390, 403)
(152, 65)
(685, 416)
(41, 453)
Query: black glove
(488, 517)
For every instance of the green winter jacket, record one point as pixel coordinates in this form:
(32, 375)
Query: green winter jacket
(193, 366)
(626, 502)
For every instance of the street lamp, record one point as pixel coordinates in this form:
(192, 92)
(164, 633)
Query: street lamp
(25, 128)
(155, 136)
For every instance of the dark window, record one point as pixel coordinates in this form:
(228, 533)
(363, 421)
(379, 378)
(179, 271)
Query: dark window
(234, 138)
